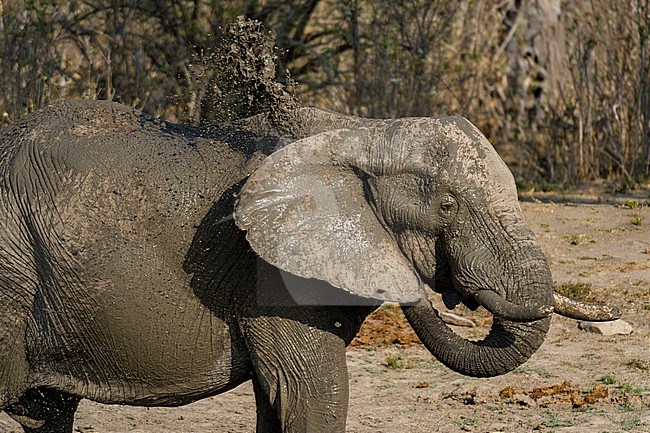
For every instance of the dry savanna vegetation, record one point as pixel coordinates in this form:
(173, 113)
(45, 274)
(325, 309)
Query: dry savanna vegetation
(562, 88)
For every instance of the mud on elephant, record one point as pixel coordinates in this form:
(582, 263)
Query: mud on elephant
(148, 263)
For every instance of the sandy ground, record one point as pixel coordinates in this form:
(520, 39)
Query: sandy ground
(576, 382)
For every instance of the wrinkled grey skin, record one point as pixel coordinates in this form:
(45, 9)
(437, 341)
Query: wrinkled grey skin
(139, 263)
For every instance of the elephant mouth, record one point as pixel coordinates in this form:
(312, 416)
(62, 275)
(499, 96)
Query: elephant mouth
(452, 299)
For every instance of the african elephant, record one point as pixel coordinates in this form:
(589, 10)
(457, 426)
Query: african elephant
(148, 263)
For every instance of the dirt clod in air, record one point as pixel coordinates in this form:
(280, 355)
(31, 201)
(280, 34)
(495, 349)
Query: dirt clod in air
(237, 78)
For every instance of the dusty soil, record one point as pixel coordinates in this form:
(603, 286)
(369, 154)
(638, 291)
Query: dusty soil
(576, 382)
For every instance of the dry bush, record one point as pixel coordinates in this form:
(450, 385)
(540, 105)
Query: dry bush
(134, 52)
(600, 119)
(29, 68)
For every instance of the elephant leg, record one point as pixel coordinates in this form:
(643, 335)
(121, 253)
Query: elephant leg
(44, 410)
(267, 418)
(301, 376)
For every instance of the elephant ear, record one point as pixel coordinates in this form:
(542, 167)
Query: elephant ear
(305, 211)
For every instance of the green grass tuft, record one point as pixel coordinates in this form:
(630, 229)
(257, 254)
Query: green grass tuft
(576, 291)
(608, 379)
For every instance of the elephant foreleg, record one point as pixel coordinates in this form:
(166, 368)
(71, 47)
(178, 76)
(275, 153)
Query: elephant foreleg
(301, 376)
(44, 410)
(267, 418)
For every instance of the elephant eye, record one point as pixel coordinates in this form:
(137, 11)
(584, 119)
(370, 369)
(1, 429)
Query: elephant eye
(447, 205)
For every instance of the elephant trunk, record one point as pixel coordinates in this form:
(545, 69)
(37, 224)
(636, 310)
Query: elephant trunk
(520, 324)
(507, 346)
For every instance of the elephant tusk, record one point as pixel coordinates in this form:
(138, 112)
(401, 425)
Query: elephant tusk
(584, 311)
(504, 309)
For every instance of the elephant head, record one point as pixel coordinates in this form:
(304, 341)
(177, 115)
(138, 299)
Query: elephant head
(383, 209)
